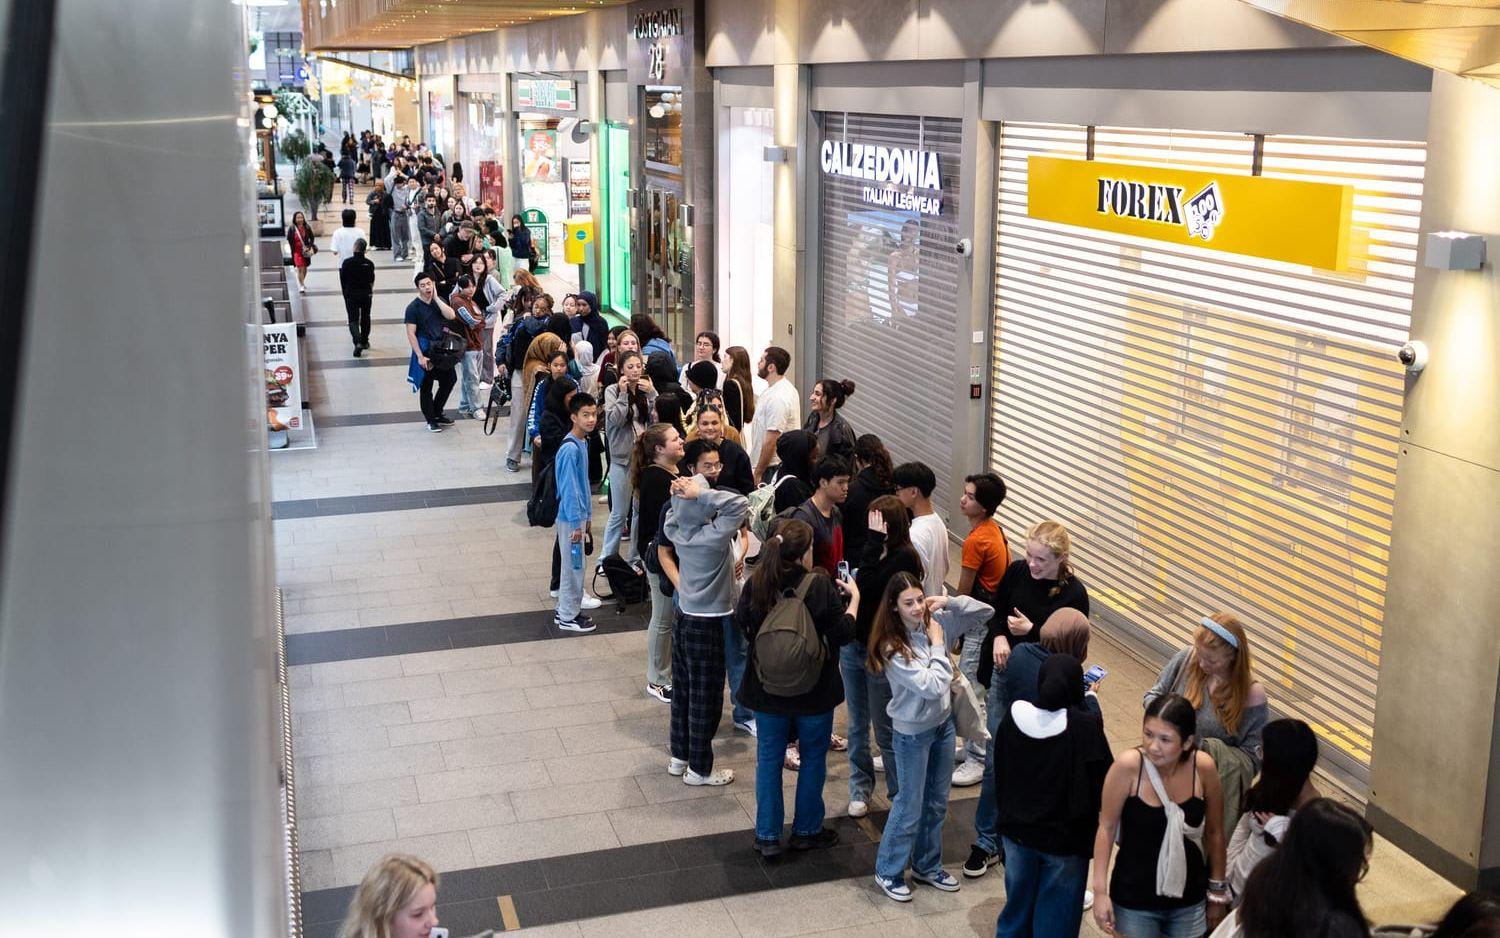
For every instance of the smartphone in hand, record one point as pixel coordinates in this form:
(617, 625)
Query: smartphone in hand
(1093, 676)
(843, 570)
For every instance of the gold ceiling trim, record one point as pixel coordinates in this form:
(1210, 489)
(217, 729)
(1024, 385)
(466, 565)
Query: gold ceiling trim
(349, 25)
(1458, 36)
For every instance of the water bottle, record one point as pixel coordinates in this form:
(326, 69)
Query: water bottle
(576, 550)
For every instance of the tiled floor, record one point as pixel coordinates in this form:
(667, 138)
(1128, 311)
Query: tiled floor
(437, 712)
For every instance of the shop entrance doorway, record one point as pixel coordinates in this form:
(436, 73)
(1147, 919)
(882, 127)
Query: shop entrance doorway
(616, 194)
(668, 259)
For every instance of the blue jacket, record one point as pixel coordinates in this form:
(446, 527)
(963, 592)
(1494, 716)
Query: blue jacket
(657, 345)
(572, 467)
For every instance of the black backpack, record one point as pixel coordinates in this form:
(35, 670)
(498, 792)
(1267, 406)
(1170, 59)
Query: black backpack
(652, 558)
(627, 585)
(448, 351)
(541, 508)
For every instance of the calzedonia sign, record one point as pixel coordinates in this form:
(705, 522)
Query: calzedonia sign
(1289, 220)
(895, 172)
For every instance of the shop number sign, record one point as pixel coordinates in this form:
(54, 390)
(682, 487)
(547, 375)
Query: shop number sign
(898, 174)
(655, 26)
(1289, 220)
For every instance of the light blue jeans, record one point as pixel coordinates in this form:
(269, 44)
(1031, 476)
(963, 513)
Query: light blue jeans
(569, 581)
(621, 509)
(868, 696)
(987, 812)
(914, 829)
(468, 383)
(659, 633)
(736, 648)
(968, 665)
(1191, 922)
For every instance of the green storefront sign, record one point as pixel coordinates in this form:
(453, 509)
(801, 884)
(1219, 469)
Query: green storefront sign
(536, 220)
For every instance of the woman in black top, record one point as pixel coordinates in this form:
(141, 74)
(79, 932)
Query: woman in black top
(653, 466)
(520, 243)
(887, 551)
(1306, 888)
(785, 564)
(553, 426)
(1169, 861)
(1029, 592)
(835, 436)
(380, 205)
(671, 399)
(437, 268)
(872, 479)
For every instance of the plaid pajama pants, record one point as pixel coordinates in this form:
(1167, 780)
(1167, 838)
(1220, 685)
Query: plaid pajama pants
(697, 689)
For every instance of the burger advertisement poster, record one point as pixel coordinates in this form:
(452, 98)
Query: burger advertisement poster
(283, 377)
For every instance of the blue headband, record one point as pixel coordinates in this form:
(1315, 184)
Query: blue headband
(1220, 631)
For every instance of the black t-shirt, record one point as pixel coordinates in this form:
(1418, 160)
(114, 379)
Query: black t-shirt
(427, 318)
(1017, 590)
(655, 491)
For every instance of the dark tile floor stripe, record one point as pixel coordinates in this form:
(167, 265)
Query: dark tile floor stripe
(400, 501)
(376, 420)
(409, 638)
(343, 324)
(648, 876)
(362, 362)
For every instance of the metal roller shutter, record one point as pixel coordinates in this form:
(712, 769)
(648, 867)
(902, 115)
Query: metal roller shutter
(900, 355)
(1216, 431)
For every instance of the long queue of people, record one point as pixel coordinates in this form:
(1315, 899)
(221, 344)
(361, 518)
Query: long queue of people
(788, 562)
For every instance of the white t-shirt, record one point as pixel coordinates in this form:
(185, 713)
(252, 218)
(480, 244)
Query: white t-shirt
(930, 537)
(343, 242)
(778, 408)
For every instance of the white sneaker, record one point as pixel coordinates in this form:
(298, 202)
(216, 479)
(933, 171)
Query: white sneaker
(858, 809)
(677, 767)
(746, 726)
(590, 602)
(970, 773)
(604, 499)
(716, 777)
(552, 593)
(879, 763)
(958, 750)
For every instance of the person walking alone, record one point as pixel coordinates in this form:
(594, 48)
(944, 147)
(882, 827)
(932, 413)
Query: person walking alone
(703, 525)
(357, 282)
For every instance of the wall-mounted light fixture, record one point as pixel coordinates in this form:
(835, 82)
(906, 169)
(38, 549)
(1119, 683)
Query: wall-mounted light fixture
(778, 154)
(1453, 250)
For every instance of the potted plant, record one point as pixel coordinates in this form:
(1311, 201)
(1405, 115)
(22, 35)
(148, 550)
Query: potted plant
(295, 146)
(313, 184)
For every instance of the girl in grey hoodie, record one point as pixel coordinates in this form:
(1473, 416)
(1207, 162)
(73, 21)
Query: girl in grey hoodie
(909, 642)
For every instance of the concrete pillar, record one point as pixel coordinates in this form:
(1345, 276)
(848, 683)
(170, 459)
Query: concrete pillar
(789, 101)
(1434, 784)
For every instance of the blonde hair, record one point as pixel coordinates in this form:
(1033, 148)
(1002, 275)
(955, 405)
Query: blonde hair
(1229, 700)
(388, 888)
(1054, 537)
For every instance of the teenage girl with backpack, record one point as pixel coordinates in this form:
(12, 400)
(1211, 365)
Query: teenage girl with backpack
(805, 672)
(909, 644)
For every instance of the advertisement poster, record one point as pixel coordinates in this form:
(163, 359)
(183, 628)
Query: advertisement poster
(539, 156)
(283, 377)
(492, 184)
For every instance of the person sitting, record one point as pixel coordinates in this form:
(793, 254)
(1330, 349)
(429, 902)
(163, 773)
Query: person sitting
(1214, 674)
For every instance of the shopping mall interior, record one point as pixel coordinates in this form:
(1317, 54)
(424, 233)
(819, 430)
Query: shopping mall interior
(1163, 326)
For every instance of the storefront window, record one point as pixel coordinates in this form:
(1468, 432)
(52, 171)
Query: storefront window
(746, 229)
(663, 121)
(555, 180)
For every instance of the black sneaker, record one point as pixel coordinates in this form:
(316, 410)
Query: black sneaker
(822, 840)
(357, 350)
(768, 848)
(979, 862)
(445, 420)
(434, 426)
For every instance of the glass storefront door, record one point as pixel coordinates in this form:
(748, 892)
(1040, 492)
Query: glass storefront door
(616, 194)
(668, 261)
(549, 158)
(745, 229)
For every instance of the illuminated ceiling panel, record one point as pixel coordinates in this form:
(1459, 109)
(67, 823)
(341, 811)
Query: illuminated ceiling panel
(401, 24)
(1458, 36)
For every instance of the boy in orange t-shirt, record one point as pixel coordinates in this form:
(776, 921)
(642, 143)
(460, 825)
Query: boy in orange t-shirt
(985, 557)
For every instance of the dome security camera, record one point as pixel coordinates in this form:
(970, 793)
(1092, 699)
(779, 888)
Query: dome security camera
(1413, 356)
(964, 247)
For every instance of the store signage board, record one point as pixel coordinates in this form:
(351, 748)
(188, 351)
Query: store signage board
(658, 24)
(1290, 220)
(548, 95)
(897, 174)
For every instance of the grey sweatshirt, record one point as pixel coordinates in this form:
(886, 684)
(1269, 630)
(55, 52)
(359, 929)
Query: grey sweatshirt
(920, 685)
(703, 530)
(619, 434)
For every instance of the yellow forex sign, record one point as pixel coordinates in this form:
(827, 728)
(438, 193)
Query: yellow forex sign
(1281, 219)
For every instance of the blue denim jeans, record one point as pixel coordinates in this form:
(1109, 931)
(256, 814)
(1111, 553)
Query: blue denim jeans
(736, 647)
(867, 696)
(1191, 922)
(772, 733)
(1043, 894)
(914, 829)
(987, 812)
